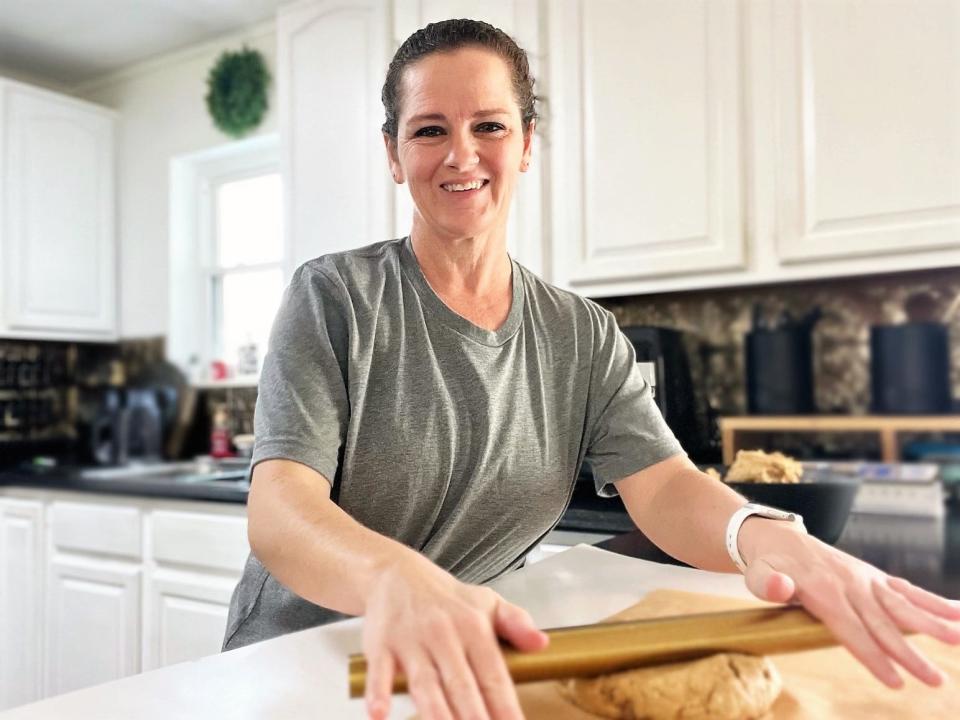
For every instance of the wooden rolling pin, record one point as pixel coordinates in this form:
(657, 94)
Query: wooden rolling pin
(589, 650)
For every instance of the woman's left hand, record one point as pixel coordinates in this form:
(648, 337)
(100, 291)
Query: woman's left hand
(867, 610)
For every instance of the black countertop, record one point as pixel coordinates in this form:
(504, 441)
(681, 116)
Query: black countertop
(71, 478)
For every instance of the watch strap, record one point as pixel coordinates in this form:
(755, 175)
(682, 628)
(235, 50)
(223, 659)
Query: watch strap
(748, 510)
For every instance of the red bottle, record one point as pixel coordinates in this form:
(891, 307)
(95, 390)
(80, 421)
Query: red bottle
(220, 434)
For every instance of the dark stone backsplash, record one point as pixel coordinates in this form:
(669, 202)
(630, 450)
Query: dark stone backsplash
(717, 321)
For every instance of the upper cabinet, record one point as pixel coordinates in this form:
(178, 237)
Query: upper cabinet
(57, 246)
(645, 130)
(332, 55)
(716, 143)
(683, 143)
(867, 99)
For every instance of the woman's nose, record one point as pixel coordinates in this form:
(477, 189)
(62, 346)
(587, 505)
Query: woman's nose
(463, 151)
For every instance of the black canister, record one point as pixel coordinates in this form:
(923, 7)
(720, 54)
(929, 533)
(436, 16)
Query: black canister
(910, 369)
(779, 367)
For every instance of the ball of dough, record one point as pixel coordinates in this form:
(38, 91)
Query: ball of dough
(726, 686)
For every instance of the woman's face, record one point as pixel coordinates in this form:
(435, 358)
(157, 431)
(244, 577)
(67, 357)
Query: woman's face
(460, 142)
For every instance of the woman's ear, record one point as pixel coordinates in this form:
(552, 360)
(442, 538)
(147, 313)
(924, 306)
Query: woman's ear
(393, 159)
(527, 146)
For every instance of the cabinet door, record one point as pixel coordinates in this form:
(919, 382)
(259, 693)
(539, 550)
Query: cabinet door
(331, 57)
(93, 622)
(186, 616)
(868, 127)
(21, 607)
(188, 592)
(645, 138)
(520, 19)
(57, 200)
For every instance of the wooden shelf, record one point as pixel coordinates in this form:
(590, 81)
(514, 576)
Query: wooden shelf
(732, 429)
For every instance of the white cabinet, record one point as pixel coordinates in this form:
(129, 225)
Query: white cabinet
(57, 251)
(188, 592)
(521, 20)
(93, 593)
(706, 144)
(97, 587)
(646, 151)
(93, 622)
(186, 616)
(867, 99)
(21, 601)
(331, 59)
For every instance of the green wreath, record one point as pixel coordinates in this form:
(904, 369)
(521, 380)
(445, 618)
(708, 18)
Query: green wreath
(237, 91)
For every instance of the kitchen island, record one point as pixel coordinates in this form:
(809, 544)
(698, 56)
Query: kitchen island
(304, 674)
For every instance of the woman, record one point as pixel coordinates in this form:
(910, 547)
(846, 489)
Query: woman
(426, 405)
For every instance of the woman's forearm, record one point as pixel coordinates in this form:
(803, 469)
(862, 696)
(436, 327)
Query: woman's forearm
(312, 546)
(687, 518)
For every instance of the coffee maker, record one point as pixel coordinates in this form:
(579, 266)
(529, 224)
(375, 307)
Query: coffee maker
(663, 361)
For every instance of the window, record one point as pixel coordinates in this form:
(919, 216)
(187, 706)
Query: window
(227, 258)
(245, 282)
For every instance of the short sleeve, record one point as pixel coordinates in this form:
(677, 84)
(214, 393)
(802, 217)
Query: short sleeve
(626, 431)
(302, 406)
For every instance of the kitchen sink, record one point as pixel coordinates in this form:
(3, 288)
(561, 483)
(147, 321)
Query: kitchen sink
(199, 470)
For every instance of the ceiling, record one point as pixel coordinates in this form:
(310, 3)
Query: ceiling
(72, 41)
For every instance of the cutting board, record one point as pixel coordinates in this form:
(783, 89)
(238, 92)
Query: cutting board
(816, 684)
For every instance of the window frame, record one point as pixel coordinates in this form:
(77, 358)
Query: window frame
(193, 336)
(213, 272)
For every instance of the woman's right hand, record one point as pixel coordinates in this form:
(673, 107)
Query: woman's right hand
(443, 635)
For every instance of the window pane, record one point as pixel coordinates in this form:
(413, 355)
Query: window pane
(248, 305)
(250, 221)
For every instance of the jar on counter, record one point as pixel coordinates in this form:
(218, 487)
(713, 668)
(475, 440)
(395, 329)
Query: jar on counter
(220, 433)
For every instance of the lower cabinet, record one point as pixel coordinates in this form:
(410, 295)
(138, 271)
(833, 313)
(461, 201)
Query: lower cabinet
(194, 557)
(21, 601)
(94, 588)
(93, 622)
(186, 617)
(197, 559)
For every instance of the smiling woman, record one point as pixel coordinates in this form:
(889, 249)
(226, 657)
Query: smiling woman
(426, 405)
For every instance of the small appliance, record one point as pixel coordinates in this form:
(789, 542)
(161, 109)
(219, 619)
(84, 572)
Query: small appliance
(664, 362)
(910, 369)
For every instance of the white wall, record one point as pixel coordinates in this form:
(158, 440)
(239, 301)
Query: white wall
(162, 114)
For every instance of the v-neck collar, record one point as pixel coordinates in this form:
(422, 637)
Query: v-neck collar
(414, 273)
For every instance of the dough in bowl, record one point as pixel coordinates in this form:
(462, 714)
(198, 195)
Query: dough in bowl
(726, 686)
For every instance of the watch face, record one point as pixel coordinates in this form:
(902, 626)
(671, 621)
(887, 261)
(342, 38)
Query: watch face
(774, 513)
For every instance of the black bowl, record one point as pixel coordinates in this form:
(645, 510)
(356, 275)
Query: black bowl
(823, 502)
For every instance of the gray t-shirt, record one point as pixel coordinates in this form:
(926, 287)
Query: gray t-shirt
(460, 442)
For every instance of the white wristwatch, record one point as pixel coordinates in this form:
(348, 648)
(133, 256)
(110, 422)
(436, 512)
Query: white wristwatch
(736, 521)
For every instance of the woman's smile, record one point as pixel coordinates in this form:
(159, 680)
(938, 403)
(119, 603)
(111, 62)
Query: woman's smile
(464, 187)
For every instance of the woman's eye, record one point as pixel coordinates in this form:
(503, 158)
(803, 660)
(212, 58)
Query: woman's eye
(432, 131)
(490, 127)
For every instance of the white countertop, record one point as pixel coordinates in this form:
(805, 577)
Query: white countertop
(304, 674)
